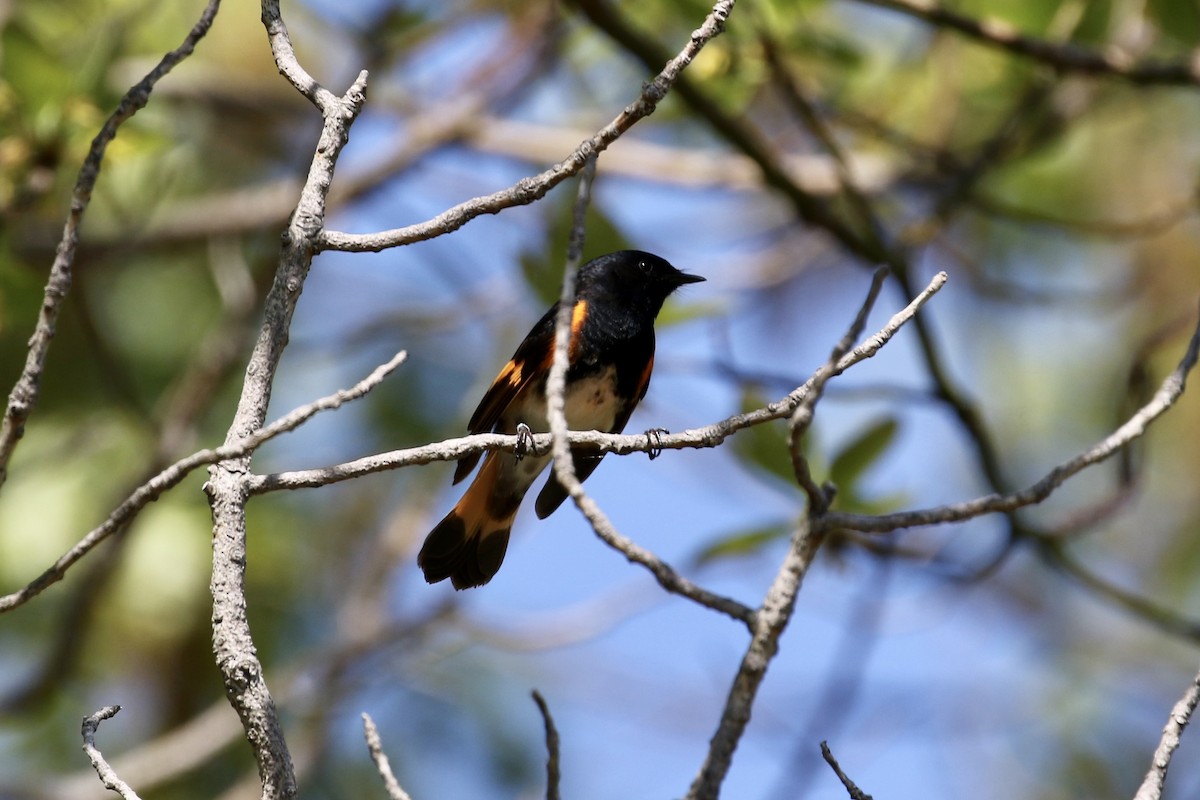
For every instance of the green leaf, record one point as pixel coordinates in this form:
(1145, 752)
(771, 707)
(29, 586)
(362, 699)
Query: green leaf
(765, 447)
(676, 313)
(862, 451)
(1178, 19)
(743, 543)
(853, 503)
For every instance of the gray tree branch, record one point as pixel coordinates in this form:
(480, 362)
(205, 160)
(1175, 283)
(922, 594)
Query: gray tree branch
(1181, 715)
(801, 419)
(233, 644)
(107, 775)
(375, 748)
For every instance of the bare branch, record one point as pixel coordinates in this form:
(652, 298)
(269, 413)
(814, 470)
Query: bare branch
(287, 63)
(847, 177)
(535, 187)
(170, 477)
(1181, 714)
(770, 620)
(107, 776)
(24, 395)
(552, 748)
(233, 644)
(556, 383)
(1168, 393)
(819, 497)
(855, 792)
(375, 747)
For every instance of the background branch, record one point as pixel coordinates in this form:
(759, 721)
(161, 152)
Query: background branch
(1112, 61)
(24, 395)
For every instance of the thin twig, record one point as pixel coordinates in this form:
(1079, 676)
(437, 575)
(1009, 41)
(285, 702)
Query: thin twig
(553, 772)
(24, 395)
(170, 477)
(107, 775)
(556, 383)
(287, 63)
(801, 419)
(375, 748)
(1181, 715)
(855, 792)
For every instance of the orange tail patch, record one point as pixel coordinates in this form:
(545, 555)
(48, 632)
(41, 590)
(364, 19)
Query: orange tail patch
(468, 545)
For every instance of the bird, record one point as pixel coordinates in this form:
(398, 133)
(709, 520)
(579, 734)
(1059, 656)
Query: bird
(610, 358)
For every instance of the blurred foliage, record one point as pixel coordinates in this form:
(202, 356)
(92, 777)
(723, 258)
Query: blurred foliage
(1063, 206)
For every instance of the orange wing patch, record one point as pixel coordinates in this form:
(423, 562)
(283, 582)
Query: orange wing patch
(503, 391)
(511, 374)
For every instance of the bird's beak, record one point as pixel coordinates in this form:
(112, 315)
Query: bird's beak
(683, 278)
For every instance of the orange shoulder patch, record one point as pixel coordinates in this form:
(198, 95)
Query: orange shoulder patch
(644, 378)
(578, 317)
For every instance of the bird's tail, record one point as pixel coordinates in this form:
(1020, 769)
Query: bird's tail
(468, 545)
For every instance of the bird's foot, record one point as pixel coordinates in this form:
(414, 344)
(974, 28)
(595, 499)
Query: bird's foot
(654, 439)
(524, 441)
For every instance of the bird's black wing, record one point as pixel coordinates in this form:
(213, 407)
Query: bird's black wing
(519, 375)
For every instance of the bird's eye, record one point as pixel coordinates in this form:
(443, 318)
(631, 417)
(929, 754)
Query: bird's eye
(644, 266)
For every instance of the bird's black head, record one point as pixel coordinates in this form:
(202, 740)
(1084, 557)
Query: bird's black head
(636, 279)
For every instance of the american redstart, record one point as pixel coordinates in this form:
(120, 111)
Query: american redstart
(611, 355)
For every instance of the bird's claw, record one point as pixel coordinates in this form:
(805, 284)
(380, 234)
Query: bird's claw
(654, 439)
(524, 441)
